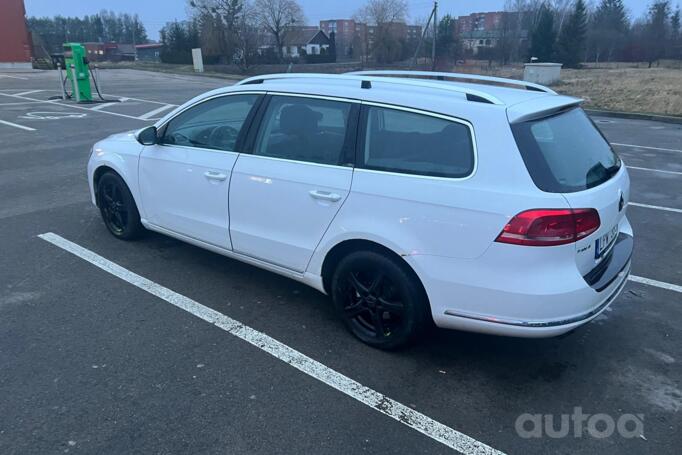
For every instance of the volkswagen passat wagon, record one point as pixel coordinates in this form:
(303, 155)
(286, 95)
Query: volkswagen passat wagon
(476, 203)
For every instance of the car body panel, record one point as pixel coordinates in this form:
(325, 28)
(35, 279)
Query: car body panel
(274, 215)
(185, 189)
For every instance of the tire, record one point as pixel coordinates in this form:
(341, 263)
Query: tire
(379, 300)
(117, 207)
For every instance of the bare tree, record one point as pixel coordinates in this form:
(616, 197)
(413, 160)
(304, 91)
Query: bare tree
(218, 25)
(379, 12)
(384, 15)
(277, 17)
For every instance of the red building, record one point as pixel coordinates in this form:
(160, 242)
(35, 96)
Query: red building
(15, 39)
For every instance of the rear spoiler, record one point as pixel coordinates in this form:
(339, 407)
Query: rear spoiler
(540, 107)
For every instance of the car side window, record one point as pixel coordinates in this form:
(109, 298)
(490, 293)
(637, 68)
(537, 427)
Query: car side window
(213, 124)
(304, 129)
(412, 143)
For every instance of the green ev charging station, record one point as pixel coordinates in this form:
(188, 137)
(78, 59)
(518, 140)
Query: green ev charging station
(77, 71)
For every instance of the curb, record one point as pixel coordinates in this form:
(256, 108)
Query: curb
(636, 116)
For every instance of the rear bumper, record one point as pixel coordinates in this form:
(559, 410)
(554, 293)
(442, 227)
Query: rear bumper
(534, 328)
(537, 294)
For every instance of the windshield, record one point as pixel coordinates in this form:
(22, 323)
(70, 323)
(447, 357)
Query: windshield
(566, 152)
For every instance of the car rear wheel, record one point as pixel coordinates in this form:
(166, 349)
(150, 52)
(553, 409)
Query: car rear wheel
(379, 300)
(117, 207)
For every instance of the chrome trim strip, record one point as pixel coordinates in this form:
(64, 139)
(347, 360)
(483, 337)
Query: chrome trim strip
(553, 323)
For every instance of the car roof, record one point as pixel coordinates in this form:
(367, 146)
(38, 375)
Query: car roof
(520, 99)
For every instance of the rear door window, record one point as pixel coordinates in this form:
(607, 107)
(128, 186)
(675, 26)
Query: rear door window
(566, 152)
(304, 129)
(413, 143)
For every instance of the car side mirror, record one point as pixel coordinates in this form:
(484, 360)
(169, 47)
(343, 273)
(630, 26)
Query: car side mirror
(147, 136)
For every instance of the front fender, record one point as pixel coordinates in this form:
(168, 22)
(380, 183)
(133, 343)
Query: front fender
(122, 156)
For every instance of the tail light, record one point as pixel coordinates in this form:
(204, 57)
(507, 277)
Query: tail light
(547, 227)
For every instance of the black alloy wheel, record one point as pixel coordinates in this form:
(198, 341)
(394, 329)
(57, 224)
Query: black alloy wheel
(379, 300)
(117, 207)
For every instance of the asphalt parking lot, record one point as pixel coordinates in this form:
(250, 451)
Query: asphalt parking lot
(91, 362)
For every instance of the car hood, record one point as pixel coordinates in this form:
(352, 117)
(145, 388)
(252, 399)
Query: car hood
(125, 136)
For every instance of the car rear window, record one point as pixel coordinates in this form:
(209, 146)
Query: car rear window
(413, 143)
(566, 152)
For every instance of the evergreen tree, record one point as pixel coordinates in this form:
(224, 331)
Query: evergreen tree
(608, 30)
(656, 31)
(446, 44)
(543, 36)
(675, 42)
(178, 39)
(571, 42)
(104, 26)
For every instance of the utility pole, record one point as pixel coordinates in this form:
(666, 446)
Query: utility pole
(435, 36)
(421, 39)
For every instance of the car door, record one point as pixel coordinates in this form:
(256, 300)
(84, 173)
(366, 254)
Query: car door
(297, 174)
(185, 178)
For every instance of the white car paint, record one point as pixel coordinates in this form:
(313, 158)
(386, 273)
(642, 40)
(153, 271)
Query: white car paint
(286, 216)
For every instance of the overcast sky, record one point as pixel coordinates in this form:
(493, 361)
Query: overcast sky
(155, 13)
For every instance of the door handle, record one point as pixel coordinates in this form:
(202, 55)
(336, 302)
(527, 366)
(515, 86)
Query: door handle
(213, 175)
(325, 195)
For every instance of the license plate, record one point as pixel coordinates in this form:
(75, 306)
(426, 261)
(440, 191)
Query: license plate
(603, 243)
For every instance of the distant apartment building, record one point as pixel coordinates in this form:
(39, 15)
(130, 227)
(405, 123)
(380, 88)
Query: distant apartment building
(480, 22)
(482, 31)
(344, 32)
(349, 33)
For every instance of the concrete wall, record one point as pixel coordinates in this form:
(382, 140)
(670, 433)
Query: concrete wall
(15, 42)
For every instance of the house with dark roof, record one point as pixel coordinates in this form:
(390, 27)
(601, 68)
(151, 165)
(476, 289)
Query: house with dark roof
(150, 52)
(302, 41)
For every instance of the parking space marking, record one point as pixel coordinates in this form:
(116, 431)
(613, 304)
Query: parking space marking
(646, 147)
(20, 103)
(658, 284)
(22, 127)
(375, 400)
(124, 98)
(14, 77)
(655, 207)
(58, 103)
(653, 170)
(28, 92)
(101, 106)
(150, 114)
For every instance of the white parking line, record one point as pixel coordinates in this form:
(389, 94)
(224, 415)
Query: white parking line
(654, 170)
(101, 106)
(156, 111)
(70, 105)
(646, 147)
(655, 207)
(14, 77)
(126, 98)
(20, 103)
(375, 400)
(658, 284)
(30, 91)
(17, 126)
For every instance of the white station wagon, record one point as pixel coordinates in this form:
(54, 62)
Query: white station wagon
(476, 203)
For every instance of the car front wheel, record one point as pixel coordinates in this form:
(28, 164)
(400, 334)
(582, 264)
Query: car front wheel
(379, 301)
(117, 207)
